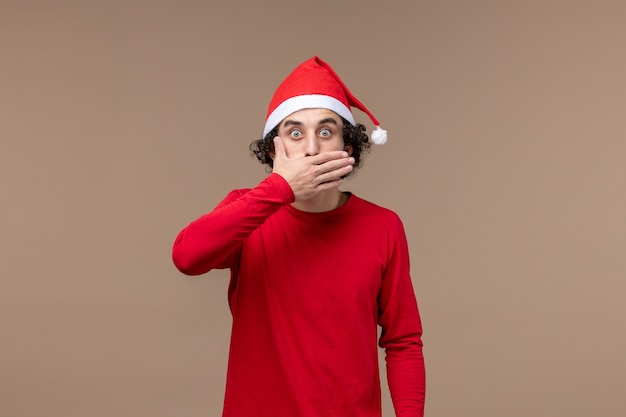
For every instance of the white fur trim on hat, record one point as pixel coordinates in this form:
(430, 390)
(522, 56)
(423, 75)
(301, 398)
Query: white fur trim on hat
(311, 101)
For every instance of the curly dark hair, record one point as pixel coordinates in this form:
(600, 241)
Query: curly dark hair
(353, 136)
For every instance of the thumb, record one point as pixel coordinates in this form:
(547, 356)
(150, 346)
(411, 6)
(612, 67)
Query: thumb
(279, 149)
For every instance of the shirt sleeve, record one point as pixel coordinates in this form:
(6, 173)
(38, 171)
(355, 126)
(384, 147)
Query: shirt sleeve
(401, 332)
(213, 240)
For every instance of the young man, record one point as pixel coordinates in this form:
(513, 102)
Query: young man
(314, 270)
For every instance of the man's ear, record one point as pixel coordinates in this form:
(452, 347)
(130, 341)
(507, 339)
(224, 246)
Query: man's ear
(349, 149)
(273, 149)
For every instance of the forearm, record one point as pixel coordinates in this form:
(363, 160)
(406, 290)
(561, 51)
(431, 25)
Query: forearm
(407, 379)
(211, 241)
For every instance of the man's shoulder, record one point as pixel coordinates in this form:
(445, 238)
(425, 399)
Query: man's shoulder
(368, 207)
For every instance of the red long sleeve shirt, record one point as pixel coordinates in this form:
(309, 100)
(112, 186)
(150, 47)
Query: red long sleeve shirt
(307, 294)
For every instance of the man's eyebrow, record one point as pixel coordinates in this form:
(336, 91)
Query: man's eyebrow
(328, 120)
(292, 122)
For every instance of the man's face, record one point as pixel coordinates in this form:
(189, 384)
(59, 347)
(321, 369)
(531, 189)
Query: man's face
(309, 132)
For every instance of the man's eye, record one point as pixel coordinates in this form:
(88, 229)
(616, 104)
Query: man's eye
(325, 133)
(296, 134)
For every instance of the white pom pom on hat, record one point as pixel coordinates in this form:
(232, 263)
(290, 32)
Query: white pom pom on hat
(314, 84)
(379, 136)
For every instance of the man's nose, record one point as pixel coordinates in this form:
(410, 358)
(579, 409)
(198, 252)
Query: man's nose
(312, 145)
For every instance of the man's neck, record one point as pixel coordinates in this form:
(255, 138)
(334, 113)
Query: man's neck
(325, 201)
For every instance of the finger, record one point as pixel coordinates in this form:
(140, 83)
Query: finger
(335, 164)
(279, 149)
(327, 156)
(334, 175)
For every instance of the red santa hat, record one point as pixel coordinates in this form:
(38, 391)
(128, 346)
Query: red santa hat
(314, 84)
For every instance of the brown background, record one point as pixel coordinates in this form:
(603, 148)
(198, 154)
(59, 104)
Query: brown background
(121, 121)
